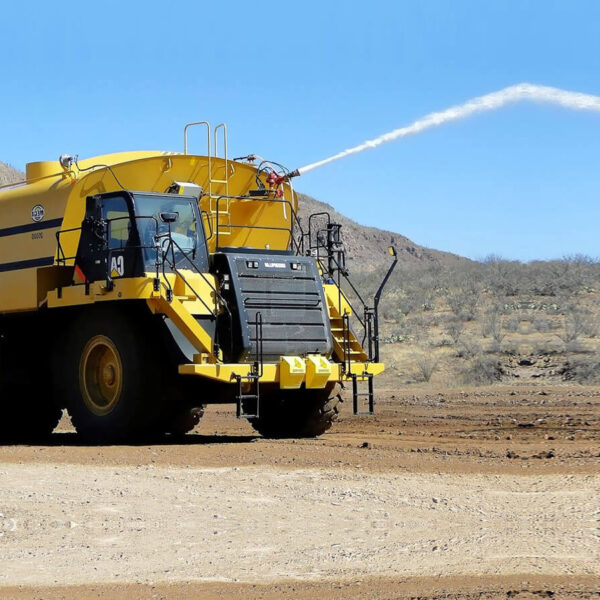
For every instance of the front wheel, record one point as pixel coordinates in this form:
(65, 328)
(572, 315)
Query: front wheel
(297, 413)
(114, 379)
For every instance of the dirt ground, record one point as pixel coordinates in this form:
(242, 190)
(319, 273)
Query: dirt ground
(475, 493)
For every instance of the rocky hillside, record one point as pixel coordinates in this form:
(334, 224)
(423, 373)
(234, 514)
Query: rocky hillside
(366, 247)
(9, 175)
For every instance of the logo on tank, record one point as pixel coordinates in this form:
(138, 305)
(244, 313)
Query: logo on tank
(37, 213)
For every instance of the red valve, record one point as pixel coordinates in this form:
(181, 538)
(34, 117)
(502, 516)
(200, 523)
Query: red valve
(276, 181)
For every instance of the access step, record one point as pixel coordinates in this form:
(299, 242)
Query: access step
(247, 404)
(365, 379)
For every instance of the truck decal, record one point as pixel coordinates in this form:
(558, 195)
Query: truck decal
(27, 264)
(30, 227)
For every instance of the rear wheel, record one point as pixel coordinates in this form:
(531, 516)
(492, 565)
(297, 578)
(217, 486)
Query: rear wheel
(114, 380)
(297, 413)
(29, 413)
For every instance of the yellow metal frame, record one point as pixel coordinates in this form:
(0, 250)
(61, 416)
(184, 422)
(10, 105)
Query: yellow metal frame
(272, 372)
(62, 192)
(291, 372)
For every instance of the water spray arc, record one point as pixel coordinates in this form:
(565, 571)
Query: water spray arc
(493, 101)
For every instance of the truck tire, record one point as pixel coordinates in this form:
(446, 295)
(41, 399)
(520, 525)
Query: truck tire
(28, 413)
(184, 420)
(182, 407)
(114, 375)
(297, 413)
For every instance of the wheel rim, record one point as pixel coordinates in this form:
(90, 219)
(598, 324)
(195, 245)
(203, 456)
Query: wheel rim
(100, 375)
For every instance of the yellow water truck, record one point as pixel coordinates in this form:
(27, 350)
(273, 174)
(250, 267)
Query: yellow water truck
(138, 287)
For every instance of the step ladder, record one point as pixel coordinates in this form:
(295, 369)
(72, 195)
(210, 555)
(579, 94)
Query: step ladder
(219, 210)
(365, 378)
(248, 402)
(346, 347)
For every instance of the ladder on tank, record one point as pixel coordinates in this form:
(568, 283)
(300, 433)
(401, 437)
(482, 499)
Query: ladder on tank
(219, 202)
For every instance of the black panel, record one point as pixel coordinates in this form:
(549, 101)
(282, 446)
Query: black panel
(290, 300)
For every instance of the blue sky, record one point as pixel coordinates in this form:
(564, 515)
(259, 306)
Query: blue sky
(296, 82)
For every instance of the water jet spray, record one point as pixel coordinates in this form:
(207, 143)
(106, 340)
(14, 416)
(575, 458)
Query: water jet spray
(493, 101)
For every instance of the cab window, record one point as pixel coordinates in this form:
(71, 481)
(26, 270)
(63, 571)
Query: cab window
(116, 212)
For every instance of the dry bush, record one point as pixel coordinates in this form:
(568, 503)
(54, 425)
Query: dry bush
(426, 363)
(494, 347)
(454, 329)
(463, 303)
(512, 325)
(544, 325)
(468, 348)
(583, 370)
(442, 342)
(545, 347)
(481, 370)
(577, 321)
(576, 347)
(511, 347)
(491, 324)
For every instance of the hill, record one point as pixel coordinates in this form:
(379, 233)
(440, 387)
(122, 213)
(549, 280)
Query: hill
(9, 174)
(366, 247)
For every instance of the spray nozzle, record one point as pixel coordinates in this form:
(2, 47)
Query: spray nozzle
(249, 158)
(275, 179)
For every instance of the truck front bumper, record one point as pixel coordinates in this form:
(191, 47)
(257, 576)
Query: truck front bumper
(291, 372)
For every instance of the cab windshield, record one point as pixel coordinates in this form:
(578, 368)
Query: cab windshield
(164, 213)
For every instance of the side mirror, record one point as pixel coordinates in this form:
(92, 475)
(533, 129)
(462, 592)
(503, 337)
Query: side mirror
(169, 217)
(392, 250)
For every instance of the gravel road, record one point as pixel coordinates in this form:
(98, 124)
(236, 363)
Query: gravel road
(84, 524)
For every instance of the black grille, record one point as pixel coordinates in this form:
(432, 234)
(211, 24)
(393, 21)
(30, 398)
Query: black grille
(287, 291)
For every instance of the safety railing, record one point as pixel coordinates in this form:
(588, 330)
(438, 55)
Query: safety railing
(161, 262)
(294, 244)
(323, 242)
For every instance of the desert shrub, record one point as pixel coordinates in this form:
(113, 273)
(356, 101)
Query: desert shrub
(481, 370)
(493, 347)
(577, 321)
(544, 325)
(583, 370)
(512, 325)
(411, 302)
(511, 347)
(468, 348)
(454, 329)
(426, 363)
(576, 346)
(463, 303)
(546, 347)
(491, 324)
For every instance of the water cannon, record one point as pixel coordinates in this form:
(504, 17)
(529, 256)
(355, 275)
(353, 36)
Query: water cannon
(294, 173)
